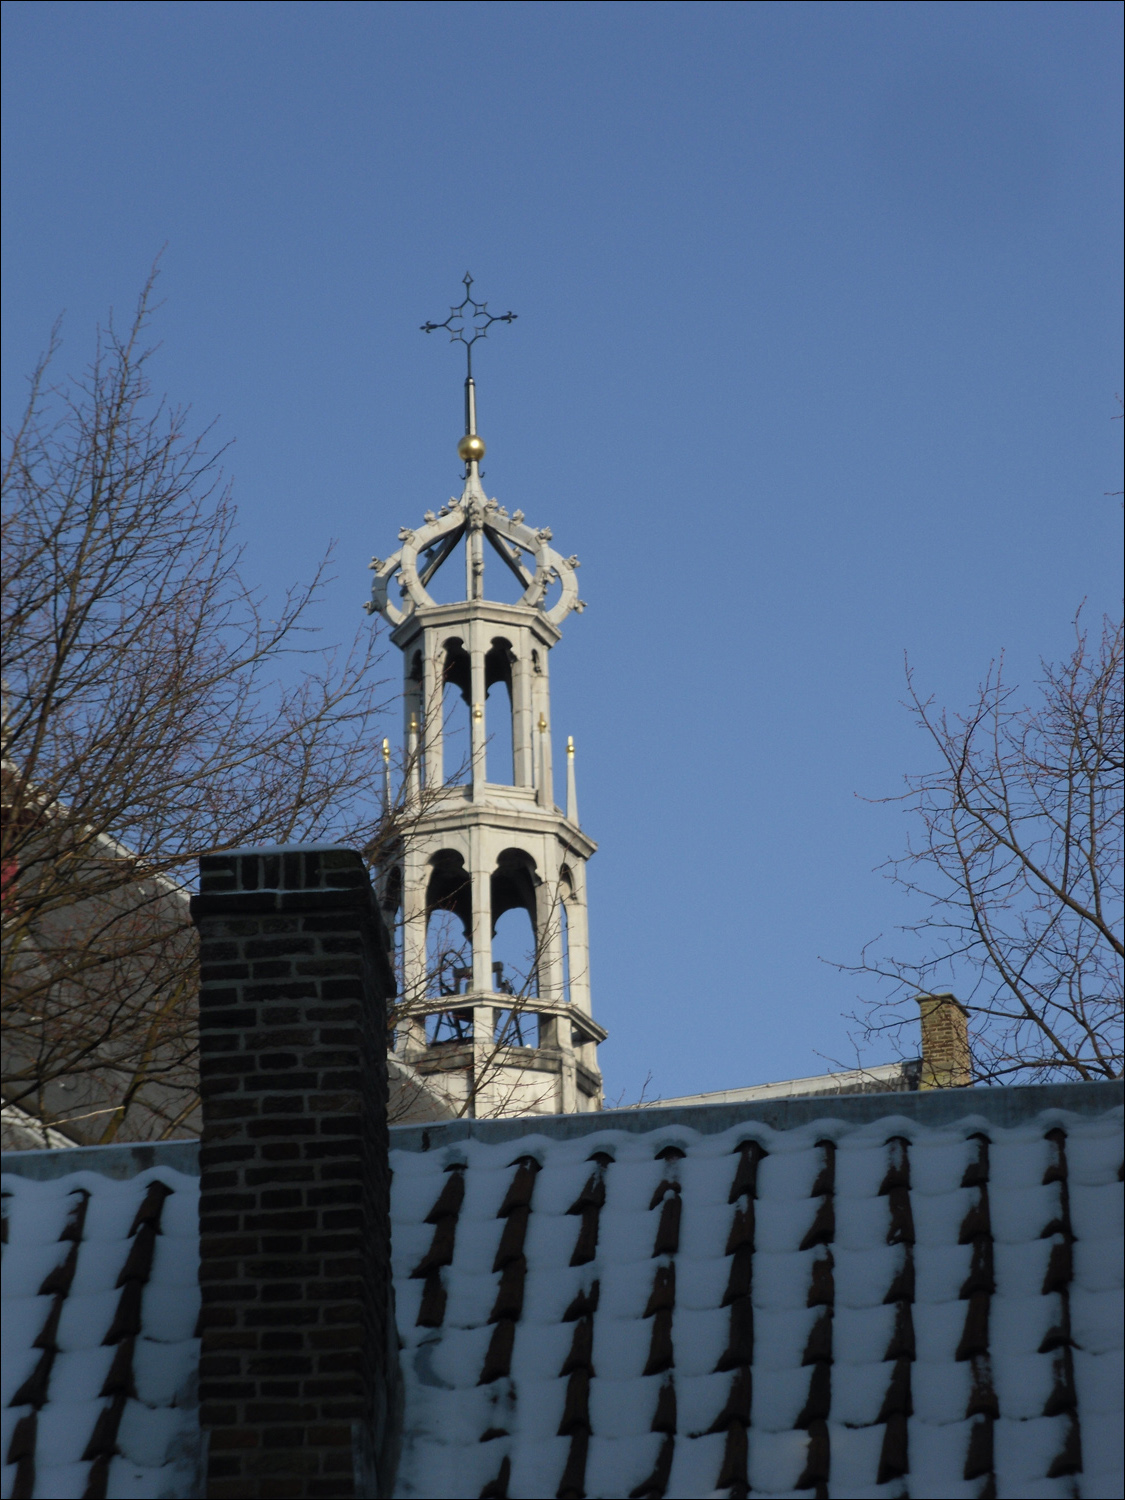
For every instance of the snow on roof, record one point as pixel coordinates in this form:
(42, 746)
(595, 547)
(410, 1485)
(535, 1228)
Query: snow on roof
(826, 1310)
(100, 1288)
(873, 1308)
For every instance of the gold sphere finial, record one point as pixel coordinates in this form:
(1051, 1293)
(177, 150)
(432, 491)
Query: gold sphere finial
(471, 448)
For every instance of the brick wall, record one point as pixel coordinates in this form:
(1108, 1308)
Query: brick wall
(298, 1368)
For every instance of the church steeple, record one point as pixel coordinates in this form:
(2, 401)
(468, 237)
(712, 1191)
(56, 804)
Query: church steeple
(486, 837)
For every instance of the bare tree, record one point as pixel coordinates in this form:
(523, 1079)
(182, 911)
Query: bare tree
(155, 707)
(1019, 860)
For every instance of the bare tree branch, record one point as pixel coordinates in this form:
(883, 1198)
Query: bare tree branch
(1019, 859)
(155, 707)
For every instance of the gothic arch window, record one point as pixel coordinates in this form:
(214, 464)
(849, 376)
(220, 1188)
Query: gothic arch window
(457, 697)
(566, 896)
(501, 745)
(449, 926)
(515, 966)
(415, 708)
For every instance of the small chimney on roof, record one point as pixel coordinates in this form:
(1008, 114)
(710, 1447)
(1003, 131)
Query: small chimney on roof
(946, 1060)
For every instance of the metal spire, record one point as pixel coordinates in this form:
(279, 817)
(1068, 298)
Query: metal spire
(468, 321)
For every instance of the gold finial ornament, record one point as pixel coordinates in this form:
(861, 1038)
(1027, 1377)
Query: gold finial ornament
(386, 751)
(471, 448)
(570, 744)
(542, 723)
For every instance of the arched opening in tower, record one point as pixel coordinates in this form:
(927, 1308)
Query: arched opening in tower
(415, 709)
(457, 697)
(501, 743)
(565, 896)
(449, 955)
(515, 956)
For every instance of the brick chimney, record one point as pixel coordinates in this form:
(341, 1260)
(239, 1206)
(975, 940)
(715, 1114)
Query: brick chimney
(299, 1392)
(946, 1060)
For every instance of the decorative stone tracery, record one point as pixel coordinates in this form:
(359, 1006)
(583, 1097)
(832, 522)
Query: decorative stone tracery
(476, 518)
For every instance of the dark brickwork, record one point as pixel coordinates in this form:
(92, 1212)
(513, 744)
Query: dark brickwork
(298, 1369)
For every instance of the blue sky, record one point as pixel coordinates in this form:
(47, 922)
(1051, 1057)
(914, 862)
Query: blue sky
(817, 351)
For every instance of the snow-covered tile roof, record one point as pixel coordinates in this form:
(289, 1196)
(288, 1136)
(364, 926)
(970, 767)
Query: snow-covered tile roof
(100, 1287)
(875, 1308)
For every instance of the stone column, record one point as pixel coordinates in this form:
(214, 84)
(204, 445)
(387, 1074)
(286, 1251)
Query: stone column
(578, 940)
(433, 708)
(480, 870)
(568, 1087)
(548, 938)
(478, 733)
(545, 778)
(522, 717)
(299, 1384)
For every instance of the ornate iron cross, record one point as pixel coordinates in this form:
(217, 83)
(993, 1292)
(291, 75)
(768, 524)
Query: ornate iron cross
(469, 321)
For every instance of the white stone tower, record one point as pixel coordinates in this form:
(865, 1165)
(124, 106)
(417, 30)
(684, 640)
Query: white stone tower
(485, 837)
